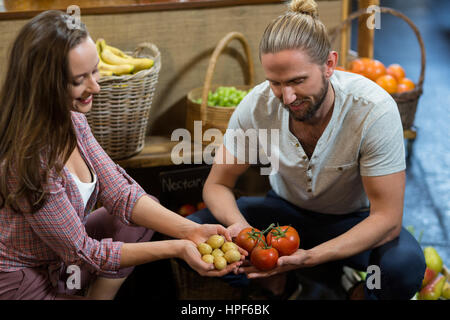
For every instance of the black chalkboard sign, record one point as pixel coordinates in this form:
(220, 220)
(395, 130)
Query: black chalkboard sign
(181, 187)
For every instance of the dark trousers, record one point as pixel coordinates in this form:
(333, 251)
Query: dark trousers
(400, 261)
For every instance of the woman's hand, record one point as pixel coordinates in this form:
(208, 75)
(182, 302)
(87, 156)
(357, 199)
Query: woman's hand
(285, 263)
(192, 256)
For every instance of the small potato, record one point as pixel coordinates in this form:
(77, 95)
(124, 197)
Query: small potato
(208, 258)
(217, 253)
(232, 256)
(204, 248)
(228, 246)
(220, 263)
(216, 241)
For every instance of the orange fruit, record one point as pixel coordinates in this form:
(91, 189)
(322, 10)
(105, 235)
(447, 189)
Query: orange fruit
(396, 71)
(368, 67)
(405, 84)
(374, 70)
(408, 82)
(401, 87)
(366, 60)
(388, 83)
(357, 66)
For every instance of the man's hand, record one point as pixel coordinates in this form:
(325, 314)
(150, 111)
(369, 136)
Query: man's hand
(235, 228)
(285, 263)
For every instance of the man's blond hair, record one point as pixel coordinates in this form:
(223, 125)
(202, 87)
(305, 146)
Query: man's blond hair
(299, 28)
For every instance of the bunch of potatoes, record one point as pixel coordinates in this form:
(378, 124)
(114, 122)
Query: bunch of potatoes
(219, 252)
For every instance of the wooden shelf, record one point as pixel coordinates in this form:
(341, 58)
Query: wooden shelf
(25, 9)
(157, 153)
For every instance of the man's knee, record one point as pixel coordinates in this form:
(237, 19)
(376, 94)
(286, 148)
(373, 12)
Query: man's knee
(401, 271)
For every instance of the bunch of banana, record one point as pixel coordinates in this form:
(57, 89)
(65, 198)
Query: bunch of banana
(113, 61)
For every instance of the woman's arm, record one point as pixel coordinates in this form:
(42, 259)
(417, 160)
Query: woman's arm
(150, 214)
(138, 253)
(217, 194)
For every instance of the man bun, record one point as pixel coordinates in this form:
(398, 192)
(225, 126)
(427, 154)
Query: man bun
(308, 7)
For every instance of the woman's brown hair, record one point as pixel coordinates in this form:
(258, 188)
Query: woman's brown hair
(36, 131)
(299, 28)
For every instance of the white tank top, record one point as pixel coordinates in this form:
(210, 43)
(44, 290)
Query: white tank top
(85, 188)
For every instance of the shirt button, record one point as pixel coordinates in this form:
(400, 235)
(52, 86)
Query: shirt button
(340, 168)
(297, 145)
(309, 190)
(309, 179)
(305, 157)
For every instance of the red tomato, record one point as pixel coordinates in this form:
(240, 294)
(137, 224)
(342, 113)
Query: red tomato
(186, 210)
(264, 258)
(285, 239)
(248, 238)
(201, 205)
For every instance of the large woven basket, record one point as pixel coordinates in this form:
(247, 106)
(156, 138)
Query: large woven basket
(120, 112)
(216, 116)
(406, 101)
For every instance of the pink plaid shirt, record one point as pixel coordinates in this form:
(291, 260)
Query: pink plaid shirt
(56, 233)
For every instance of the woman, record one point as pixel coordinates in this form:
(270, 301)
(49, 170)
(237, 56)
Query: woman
(53, 171)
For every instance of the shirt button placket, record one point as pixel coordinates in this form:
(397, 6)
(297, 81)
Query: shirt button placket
(309, 178)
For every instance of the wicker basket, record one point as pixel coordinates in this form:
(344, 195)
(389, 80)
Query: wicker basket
(214, 116)
(406, 101)
(120, 112)
(191, 286)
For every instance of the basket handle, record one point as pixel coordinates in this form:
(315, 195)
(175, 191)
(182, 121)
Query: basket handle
(393, 12)
(147, 45)
(212, 64)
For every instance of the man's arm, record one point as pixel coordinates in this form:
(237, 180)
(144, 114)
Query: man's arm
(386, 195)
(218, 190)
(384, 223)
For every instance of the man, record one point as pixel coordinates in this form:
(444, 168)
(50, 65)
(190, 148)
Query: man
(340, 152)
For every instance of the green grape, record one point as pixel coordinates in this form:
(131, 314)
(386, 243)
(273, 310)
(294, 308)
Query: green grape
(225, 97)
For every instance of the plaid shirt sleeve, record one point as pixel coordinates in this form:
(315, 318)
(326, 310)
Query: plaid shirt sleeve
(59, 226)
(118, 192)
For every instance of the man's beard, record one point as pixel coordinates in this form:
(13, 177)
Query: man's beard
(311, 109)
